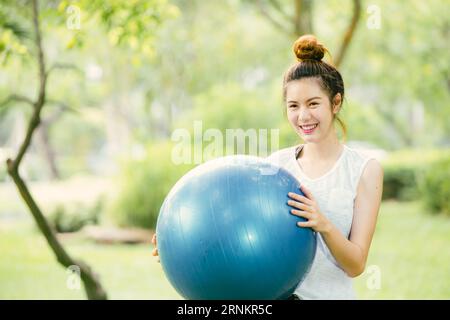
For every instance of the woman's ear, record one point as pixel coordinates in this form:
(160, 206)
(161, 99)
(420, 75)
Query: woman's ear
(337, 102)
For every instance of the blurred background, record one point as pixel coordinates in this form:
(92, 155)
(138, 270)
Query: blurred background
(120, 76)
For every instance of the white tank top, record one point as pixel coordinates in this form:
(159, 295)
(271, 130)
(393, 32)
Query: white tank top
(335, 193)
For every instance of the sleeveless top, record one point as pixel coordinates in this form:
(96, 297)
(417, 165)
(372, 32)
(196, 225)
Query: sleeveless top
(335, 193)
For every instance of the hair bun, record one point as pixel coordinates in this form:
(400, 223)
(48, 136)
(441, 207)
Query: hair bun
(308, 48)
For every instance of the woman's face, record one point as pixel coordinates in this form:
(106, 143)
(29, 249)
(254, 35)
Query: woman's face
(309, 109)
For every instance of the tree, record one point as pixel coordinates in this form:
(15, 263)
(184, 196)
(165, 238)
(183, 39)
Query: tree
(94, 289)
(127, 22)
(301, 21)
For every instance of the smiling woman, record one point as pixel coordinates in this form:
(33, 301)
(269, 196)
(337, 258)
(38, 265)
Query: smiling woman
(321, 81)
(342, 187)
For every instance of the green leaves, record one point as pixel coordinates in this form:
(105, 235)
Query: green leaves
(130, 24)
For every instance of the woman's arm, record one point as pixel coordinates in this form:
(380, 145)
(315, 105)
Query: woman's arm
(351, 254)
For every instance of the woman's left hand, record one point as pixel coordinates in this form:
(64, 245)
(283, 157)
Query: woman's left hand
(308, 208)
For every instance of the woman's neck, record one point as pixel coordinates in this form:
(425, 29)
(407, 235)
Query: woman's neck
(326, 150)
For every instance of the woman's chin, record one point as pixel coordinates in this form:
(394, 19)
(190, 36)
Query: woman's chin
(308, 138)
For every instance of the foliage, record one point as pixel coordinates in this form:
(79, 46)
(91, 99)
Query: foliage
(404, 170)
(436, 186)
(142, 186)
(217, 109)
(71, 218)
(13, 31)
(128, 23)
(144, 75)
(401, 71)
(400, 183)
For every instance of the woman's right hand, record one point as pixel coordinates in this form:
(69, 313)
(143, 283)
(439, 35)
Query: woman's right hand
(155, 249)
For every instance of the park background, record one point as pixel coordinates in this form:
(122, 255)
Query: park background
(121, 76)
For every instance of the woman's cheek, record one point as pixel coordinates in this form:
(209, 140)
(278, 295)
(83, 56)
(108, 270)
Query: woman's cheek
(292, 116)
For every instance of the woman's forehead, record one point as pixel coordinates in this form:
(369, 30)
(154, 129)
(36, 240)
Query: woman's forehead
(304, 89)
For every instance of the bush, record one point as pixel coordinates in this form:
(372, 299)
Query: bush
(71, 218)
(435, 186)
(403, 172)
(400, 183)
(142, 186)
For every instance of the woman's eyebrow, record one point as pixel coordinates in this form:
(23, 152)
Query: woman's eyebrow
(306, 100)
(312, 98)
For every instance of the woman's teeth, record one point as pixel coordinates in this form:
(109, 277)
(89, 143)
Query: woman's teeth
(309, 128)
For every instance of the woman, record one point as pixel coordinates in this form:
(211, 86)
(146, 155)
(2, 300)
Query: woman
(342, 187)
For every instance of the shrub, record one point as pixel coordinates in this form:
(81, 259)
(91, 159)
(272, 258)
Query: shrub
(142, 186)
(400, 183)
(73, 217)
(435, 186)
(403, 171)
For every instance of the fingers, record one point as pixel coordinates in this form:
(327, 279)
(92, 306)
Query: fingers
(300, 198)
(306, 191)
(310, 223)
(300, 213)
(155, 252)
(307, 205)
(306, 224)
(299, 205)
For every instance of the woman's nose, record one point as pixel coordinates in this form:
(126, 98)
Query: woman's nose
(304, 115)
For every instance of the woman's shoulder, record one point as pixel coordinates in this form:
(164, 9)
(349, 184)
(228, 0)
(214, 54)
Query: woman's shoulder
(364, 164)
(282, 156)
(373, 170)
(360, 155)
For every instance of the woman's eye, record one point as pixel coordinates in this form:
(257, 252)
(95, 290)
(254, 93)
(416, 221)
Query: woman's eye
(314, 104)
(292, 106)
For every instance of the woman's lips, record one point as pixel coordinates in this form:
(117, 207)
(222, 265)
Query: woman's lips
(309, 128)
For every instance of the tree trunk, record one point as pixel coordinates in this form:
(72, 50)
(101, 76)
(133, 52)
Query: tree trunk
(92, 286)
(303, 21)
(48, 153)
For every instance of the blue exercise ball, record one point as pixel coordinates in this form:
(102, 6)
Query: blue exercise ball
(225, 231)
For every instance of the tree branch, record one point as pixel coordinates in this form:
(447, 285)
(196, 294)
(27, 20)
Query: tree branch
(92, 286)
(39, 103)
(62, 66)
(16, 97)
(62, 107)
(277, 6)
(349, 33)
(303, 23)
(272, 20)
(32, 125)
(41, 61)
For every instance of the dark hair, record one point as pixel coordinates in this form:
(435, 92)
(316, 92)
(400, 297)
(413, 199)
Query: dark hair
(309, 53)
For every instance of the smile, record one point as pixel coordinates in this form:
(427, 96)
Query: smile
(308, 129)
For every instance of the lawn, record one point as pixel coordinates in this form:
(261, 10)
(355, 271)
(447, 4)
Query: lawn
(410, 250)
(28, 269)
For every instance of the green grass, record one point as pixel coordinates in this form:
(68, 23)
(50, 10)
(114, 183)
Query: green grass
(28, 269)
(410, 248)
